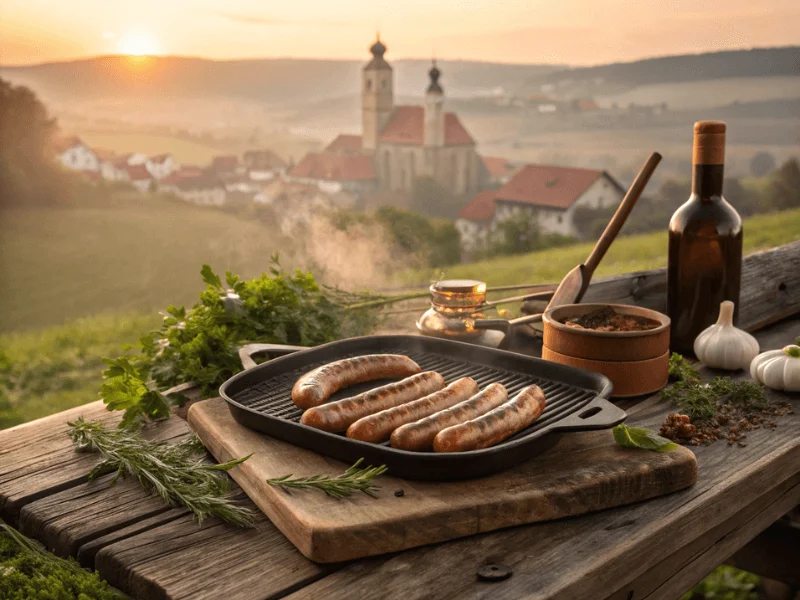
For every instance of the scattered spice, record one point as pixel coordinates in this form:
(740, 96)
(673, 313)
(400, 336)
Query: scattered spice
(607, 319)
(722, 409)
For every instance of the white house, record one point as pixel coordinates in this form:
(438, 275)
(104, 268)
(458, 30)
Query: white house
(134, 158)
(139, 177)
(76, 155)
(161, 166)
(205, 190)
(550, 194)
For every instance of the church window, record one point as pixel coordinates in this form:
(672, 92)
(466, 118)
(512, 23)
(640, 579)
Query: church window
(413, 168)
(454, 171)
(383, 84)
(369, 84)
(387, 168)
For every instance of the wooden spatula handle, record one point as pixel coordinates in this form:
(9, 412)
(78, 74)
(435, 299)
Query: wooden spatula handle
(621, 215)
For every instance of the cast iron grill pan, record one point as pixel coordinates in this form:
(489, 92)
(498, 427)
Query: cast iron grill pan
(260, 398)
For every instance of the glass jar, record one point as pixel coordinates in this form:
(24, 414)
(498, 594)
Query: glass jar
(455, 303)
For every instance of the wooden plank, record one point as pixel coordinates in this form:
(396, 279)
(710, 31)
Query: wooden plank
(588, 556)
(583, 473)
(65, 520)
(770, 287)
(682, 570)
(774, 553)
(183, 560)
(37, 458)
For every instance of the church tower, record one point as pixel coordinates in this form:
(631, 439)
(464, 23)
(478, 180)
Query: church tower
(434, 111)
(377, 96)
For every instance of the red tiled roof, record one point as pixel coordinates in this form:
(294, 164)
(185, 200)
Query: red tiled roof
(225, 163)
(407, 126)
(481, 207)
(497, 167)
(137, 172)
(551, 187)
(455, 134)
(345, 143)
(65, 143)
(160, 158)
(334, 167)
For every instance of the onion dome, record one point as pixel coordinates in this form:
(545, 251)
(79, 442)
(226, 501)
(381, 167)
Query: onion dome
(435, 73)
(378, 49)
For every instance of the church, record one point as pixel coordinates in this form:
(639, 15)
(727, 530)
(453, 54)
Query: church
(398, 144)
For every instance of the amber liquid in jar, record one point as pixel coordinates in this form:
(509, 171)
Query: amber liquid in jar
(705, 245)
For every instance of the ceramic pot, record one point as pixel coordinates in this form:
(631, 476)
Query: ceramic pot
(636, 362)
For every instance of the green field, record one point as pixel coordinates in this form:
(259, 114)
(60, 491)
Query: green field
(632, 253)
(58, 265)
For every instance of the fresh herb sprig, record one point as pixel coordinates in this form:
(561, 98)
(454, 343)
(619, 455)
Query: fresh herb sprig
(201, 344)
(638, 437)
(340, 486)
(176, 472)
(701, 400)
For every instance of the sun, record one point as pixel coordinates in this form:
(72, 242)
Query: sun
(138, 43)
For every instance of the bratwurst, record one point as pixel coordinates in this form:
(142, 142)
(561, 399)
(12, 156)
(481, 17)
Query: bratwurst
(339, 415)
(315, 387)
(495, 426)
(378, 426)
(419, 436)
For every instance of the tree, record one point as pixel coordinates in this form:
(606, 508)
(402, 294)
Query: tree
(515, 235)
(28, 173)
(762, 164)
(786, 185)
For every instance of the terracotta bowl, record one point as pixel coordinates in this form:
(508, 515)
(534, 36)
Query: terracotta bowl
(636, 362)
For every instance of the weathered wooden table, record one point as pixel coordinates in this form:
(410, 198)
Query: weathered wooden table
(655, 549)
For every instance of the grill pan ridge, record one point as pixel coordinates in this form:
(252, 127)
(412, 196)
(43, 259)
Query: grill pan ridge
(260, 399)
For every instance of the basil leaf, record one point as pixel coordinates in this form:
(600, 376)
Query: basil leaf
(636, 437)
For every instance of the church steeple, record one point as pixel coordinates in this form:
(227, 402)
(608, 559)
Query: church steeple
(434, 110)
(377, 96)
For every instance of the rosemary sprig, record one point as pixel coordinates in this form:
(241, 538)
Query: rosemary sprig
(175, 472)
(352, 480)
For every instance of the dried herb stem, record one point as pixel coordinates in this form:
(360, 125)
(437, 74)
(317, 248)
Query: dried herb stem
(340, 486)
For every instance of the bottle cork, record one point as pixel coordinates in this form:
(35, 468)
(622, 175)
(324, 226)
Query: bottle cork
(709, 143)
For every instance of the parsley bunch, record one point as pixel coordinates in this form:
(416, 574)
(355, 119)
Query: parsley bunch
(201, 344)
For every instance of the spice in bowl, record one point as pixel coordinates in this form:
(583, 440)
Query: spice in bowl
(607, 319)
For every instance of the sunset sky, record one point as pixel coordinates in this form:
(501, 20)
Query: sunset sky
(521, 31)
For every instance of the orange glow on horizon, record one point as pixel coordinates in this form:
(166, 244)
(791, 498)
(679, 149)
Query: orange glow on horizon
(139, 43)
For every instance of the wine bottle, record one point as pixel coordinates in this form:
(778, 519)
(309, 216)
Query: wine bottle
(705, 244)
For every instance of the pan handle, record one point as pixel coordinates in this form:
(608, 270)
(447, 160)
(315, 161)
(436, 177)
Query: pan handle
(598, 414)
(246, 353)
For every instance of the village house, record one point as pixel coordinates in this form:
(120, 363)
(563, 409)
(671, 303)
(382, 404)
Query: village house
(139, 177)
(263, 165)
(226, 165)
(161, 166)
(134, 158)
(204, 189)
(499, 171)
(549, 194)
(334, 173)
(108, 168)
(75, 155)
(402, 143)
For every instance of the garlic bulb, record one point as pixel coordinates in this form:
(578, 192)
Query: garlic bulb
(723, 346)
(778, 369)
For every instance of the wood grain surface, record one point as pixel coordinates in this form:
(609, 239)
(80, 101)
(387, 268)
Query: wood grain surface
(584, 472)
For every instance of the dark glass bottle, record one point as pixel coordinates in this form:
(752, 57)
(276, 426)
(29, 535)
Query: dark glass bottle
(705, 244)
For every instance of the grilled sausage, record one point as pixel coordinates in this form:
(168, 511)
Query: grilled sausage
(495, 426)
(419, 436)
(315, 387)
(339, 415)
(378, 426)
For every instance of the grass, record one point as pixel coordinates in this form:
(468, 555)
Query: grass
(627, 254)
(56, 368)
(57, 265)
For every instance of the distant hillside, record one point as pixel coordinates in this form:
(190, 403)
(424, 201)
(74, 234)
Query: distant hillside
(268, 80)
(670, 69)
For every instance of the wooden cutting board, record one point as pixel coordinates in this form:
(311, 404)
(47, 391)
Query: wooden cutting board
(583, 472)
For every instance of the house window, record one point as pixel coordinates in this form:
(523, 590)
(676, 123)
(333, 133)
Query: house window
(560, 219)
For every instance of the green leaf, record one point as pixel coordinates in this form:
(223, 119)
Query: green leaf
(210, 278)
(635, 437)
(154, 405)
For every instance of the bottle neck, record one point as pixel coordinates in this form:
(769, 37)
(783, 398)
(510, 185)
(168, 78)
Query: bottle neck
(707, 182)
